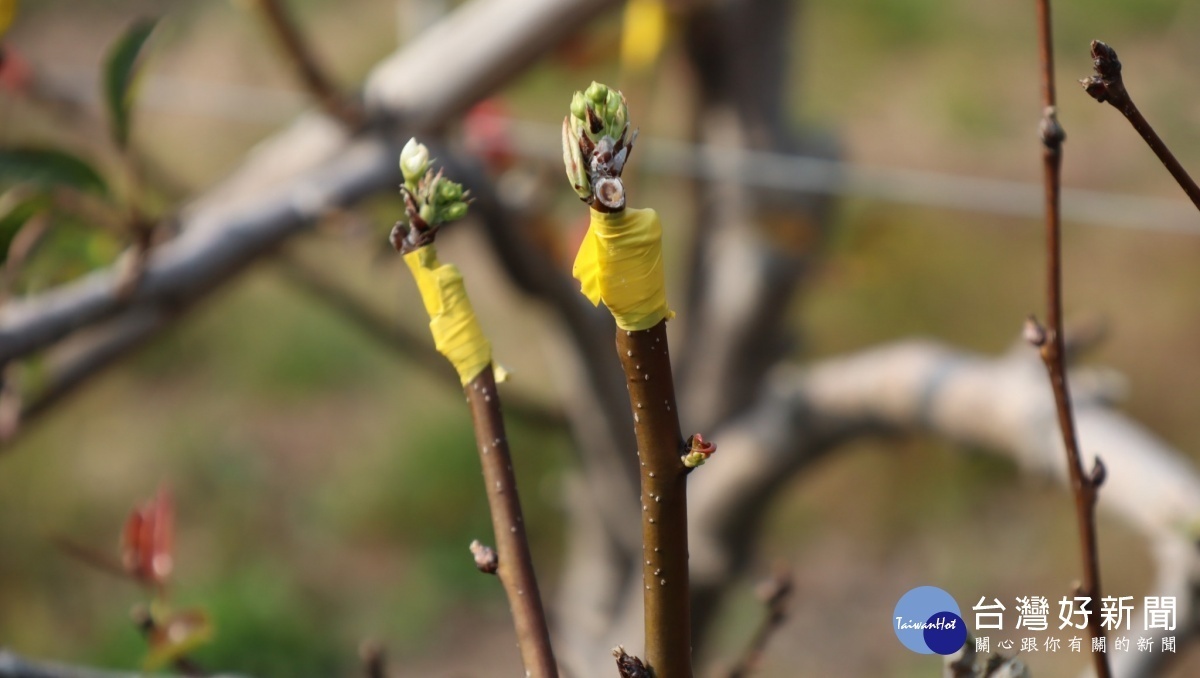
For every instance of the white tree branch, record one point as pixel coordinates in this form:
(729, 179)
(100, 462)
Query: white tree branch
(1002, 404)
(291, 179)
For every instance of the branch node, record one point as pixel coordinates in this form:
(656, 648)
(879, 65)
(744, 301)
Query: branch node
(1050, 130)
(1098, 475)
(629, 666)
(486, 560)
(697, 450)
(1034, 332)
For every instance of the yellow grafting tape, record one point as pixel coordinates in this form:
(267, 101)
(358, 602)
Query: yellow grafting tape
(456, 331)
(620, 263)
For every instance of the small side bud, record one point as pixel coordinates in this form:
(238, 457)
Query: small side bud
(486, 560)
(452, 212)
(448, 192)
(698, 451)
(1050, 131)
(1099, 473)
(629, 666)
(1034, 333)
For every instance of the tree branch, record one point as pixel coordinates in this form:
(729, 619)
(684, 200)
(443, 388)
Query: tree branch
(999, 404)
(515, 567)
(303, 60)
(774, 594)
(647, 363)
(1051, 343)
(1108, 86)
(302, 172)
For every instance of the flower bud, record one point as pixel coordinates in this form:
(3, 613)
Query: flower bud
(579, 106)
(414, 160)
(454, 211)
(448, 192)
(597, 93)
(613, 104)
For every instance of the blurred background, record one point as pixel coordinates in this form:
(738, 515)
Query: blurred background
(326, 487)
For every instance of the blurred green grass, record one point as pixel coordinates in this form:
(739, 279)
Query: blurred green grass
(326, 490)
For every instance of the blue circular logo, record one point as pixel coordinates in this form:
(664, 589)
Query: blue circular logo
(927, 620)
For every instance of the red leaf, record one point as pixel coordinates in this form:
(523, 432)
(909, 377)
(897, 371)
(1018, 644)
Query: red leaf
(148, 540)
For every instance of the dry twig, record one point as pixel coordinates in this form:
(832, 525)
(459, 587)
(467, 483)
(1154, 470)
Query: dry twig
(308, 68)
(774, 593)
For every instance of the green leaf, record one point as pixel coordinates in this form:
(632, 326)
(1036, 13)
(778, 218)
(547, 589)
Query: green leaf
(14, 214)
(120, 71)
(47, 167)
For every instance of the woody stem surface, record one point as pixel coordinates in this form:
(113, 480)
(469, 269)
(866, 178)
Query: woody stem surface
(647, 363)
(515, 569)
(1052, 349)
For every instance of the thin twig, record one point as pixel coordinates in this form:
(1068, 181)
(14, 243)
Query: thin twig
(374, 659)
(515, 566)
(308, 68)
(1107, 86)
(1051, 344)
(961, 664)
(774, 593)
(646, 360)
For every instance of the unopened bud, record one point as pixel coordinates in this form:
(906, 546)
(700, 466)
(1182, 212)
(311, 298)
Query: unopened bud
(414, 160)
(579, 106)
(699, 450)
(448, 192)
(1034, 333)
(596, 93)
(486, 560)
(454, 211)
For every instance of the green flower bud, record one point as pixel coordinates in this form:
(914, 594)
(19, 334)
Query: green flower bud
(457, 210)
(448, 192)
(597, 93)
(427, 214)
(579, 106)
(613, 104)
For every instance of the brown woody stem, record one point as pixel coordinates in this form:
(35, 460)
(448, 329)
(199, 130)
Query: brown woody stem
(308, 69)
(1108, 86)
(1050, 342)
(647, 363)
(515, 567)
